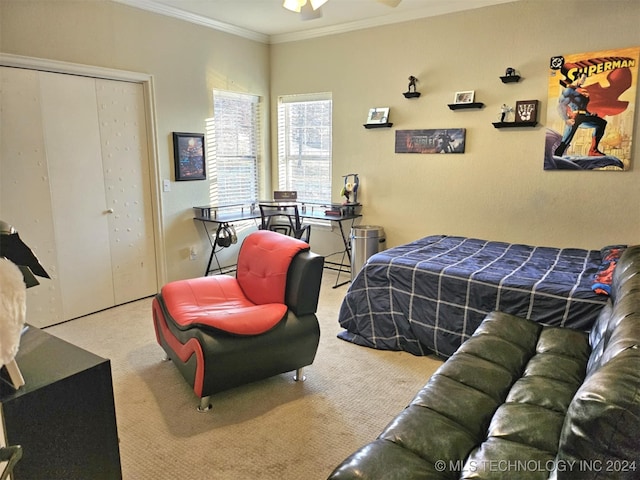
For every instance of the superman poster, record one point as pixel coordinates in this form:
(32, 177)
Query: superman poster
(590, 114)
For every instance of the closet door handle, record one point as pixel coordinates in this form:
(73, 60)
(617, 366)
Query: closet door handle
(109, 210)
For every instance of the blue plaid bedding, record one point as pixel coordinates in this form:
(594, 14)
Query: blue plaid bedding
(430, 295)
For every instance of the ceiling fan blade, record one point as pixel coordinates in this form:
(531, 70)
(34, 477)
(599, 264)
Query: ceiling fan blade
(390, 3)
(308, 13)
(292, 5)
(316, 4)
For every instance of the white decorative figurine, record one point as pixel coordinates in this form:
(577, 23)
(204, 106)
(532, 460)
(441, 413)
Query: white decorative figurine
(13, 309)
(18, 265)
(504, 111)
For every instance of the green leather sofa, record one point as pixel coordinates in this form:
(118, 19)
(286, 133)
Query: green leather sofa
(520, 400)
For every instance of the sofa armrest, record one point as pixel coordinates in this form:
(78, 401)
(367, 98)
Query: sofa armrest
(303, 283)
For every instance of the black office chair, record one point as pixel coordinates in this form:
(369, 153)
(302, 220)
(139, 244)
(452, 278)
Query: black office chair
(285, 219)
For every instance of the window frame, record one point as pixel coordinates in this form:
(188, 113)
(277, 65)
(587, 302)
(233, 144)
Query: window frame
(315, 156)
(235, 128)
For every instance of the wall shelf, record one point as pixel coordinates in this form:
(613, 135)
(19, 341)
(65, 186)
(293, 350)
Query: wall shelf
(377, 125)
(463, 106)
(510, 78)
(514, 124)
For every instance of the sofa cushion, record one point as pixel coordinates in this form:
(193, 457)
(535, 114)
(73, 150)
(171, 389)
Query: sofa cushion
(543, 391)
(374, 459)
(603, 422)
(564, 341)
(479, 374)
(473, 407)
(499, 459)
(557, 367)
(527, 424)
(430, 435)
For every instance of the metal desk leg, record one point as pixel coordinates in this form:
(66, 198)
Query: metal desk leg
(347, 253)
(213, 240)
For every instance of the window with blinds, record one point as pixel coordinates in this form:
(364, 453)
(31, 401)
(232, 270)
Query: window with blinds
(233, 148)
(304, 146)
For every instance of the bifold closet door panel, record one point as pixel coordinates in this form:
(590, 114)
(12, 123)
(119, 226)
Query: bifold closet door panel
(125, 159)
(76, 182)
(25, 200)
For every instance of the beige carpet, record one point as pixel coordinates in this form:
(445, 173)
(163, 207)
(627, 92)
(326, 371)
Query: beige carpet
(272, 429)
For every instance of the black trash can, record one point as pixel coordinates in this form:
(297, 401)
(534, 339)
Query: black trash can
(366, 240)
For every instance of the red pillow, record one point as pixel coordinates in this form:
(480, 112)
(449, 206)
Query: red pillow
(604, 276)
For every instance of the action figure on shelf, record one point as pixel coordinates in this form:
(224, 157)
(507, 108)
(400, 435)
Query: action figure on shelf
(504, 110)
(412, 84)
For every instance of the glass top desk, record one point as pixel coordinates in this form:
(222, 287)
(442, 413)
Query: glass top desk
(216, 218)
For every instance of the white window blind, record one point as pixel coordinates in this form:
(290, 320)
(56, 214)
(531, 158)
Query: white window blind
(304, 146)
(233, 148)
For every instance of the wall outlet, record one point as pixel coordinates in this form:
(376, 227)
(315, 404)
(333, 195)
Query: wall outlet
(193, 253)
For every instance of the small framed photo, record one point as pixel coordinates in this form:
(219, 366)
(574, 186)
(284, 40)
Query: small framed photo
(378, 115)
(526, 111)
(464, 97)
(188, 155)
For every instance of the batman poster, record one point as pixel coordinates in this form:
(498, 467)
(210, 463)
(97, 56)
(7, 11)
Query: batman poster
(591, 108)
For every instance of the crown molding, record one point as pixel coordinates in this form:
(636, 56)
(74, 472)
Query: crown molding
(342, 28)
(194, 18)
(431, 10)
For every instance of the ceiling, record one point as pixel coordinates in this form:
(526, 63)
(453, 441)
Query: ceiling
(267, 21)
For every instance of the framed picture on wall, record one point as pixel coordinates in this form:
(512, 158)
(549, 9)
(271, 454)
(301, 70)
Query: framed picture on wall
(597, 92)
(449, 140)
(378, 115)
(188, 155)
(464, 97)
(526, 111)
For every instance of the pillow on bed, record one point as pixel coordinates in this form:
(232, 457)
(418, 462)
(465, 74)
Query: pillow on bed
(602, 279)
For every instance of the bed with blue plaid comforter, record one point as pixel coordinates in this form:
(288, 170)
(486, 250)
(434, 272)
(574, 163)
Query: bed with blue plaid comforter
(430, 295)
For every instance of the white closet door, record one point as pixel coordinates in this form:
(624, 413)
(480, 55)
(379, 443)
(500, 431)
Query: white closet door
(127, 188)
(80, 210)
(75, 182)
(25, 201)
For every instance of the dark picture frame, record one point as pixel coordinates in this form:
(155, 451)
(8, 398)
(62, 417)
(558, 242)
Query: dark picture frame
(526, 111)
(449, 140)
(189, 155)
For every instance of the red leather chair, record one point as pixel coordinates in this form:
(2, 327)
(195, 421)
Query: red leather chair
(223, 331)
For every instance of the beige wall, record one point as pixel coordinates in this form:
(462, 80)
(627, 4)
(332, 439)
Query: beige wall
(496, 190)
(187, 61)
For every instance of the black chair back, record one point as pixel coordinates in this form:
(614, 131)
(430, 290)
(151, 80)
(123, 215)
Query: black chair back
(284, 218)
